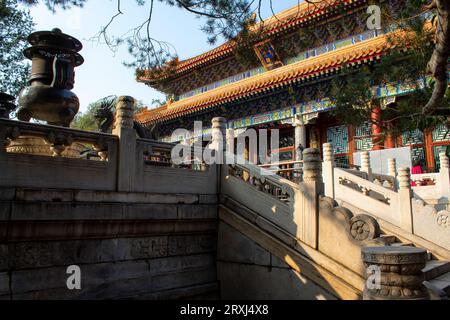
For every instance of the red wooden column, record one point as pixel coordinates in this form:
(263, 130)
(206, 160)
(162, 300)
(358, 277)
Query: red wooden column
(376, 130)
(351, 143)
(428, 146)
(389, 142)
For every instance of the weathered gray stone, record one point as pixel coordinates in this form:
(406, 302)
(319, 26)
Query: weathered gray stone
(60, 253)
(94, 274)
(5, 210)
(150, 211)
(90, 211)
(244, 212)
(85, 229)
(4, 256)
(197, 212)
(208, 199)
(276, 231)
(277, 262)
(182, 279)
(337, 237)
(47, 195)
(4, 283)
(111, 290)
(179, 245)
(181, 264)
(131, 197)
(202, 291)
(7, 194)
(253, 282)
(235, 247)
(146, 248)
(3, 231)
(54, 253)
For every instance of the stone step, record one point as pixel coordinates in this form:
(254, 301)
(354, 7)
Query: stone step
(435, 269)
(402, 244)
(386, 239)
(442, 282)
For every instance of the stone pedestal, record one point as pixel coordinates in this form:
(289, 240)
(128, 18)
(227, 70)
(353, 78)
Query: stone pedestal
(394, 273)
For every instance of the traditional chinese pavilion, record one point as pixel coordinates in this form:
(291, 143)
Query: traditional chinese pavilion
(287, 85)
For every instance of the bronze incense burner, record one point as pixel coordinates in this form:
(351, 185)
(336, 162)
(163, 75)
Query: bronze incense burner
(48, 97)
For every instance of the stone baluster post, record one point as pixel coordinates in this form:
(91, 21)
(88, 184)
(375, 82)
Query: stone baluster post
(306, 211)
(394, 273)
(392, 167)
(392, 171)
(328, 169)
(126, 173)
(218, 143)
(218, 135)
(312, 166)
(404, 198)
(365, 164)
(444, 175)
(230, 146)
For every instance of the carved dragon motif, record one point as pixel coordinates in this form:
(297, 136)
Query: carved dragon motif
(105, 119)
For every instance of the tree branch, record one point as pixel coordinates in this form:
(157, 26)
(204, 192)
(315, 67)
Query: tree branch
(439, 59)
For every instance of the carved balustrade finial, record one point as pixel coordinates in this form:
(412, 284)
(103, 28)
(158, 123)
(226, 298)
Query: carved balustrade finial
(124, 112)
(219, 132)
(443, 159)
(392, 167)
(404, 181)
(328, 152)
(365, 161)
(312, 165)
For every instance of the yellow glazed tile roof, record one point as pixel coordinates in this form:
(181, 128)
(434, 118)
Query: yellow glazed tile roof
(280, 22)
(293, 73)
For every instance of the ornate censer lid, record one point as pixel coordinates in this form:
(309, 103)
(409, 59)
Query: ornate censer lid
(50, 43)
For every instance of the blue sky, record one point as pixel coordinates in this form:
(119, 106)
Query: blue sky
(103, 73)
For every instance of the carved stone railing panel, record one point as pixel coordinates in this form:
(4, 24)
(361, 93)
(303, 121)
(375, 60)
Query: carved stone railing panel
(264, 181)
(291, 206)
(392, 198)
(290, 170)
(356, 172)
(367, 188)
(425, 179)
(33, 138)
(431, 224)
(45, 156)
(156, 153)
(374, 199)
(384, 180)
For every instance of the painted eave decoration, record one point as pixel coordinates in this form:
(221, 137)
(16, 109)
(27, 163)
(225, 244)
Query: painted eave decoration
(283, 22)
(301, 71)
